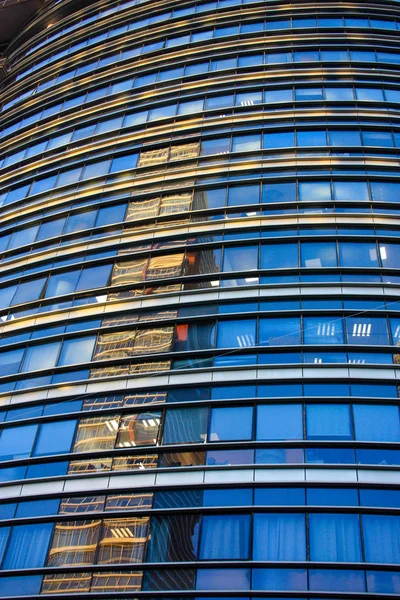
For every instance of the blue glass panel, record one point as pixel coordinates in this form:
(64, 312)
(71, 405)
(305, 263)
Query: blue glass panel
(335, 538)
(17, 442)
(234, 423)
(38, 508)
(332, 497)
(383, 582)
(223, 579)
(279, 537)
(280, 579)
(28, 545)
(277, 332)
(225, 537)
(336, 580)
(328, 422)
(228, 497)
(47, 470)
(381, 538)
(376, 423)
(279, 496)
(236, 334)
(20, 586)
(55, 438)
(279, 422)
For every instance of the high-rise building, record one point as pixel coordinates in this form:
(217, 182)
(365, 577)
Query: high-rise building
(200, 299)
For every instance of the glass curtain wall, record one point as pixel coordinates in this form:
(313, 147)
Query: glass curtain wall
(200, 301)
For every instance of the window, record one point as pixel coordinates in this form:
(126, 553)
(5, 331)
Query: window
(323, 330)
(173, 538)
(312, 137)
(381, 538)
(240, 259)
(236, 334)
(282, 139)
(140, 429)
(185, 425)
(41, 357)
(27, 547)
(29, 290)
(246, 143)
(279, 192)
(376, 423)
(221, 146)
(10, 361)
(318, 254)
(279, 422)
(62, 283)
(225, 537)
(77, 350)
(335, 538)
(358, 255)
(282, 256)
(319, 190)
(344, 138)
(55, 438)
(367, 331)
(243, 194)
(279, 332)
(279, 537)
(17, 442)
(351, 190)
(234, 423)
(328, 422)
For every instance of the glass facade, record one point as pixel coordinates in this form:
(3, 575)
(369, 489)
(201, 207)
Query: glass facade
(200, 301)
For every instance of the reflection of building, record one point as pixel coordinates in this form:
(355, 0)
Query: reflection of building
(199, 314)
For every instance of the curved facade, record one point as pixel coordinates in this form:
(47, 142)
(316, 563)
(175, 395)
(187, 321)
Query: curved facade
(199, 301)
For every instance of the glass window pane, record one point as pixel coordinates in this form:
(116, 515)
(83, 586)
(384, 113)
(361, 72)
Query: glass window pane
(279, 192)
(234, 423)
(185, 425)
(225, 537)
(77, 350)
(79, 221)
(335, 538)
(30, 290)
(55, 438)
(279, 422)
(358, 255)
(311, 137)
(62, 283)
(240, 259)
(282, 139)
(279, 537)
(279, 256)
(328, 422)
(246, 143)
(381, 538)
(10, 361)
(17, 442)
(41, 357)
(28, 546)
(376, 423)
(344, 138)
(316, 190)
(278, 332)
(323, 330)
(94, 277)
(244, 194)
(173, 538)
(318, 254)
(367, 331)
(351, 190)
(236, 334)
(140, 429)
